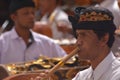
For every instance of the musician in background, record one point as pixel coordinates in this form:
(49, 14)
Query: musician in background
(55, 18)
(21, 44)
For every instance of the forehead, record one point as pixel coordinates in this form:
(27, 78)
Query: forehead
(43, 1)
(26, 8)
(84, 31)
(46, 1)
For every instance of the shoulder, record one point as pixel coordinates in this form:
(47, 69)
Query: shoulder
(4, 39)
(5, 35)
(41, 37)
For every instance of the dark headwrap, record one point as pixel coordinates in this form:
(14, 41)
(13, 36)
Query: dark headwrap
(93, 18)
(17, 4)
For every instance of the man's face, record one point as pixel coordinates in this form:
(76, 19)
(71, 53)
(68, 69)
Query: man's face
(88, 43)
(24, 17)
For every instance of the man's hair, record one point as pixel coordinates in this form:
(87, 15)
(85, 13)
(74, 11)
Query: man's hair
(101, 34)
(17, 4)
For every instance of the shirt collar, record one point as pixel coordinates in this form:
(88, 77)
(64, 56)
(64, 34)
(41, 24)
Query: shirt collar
(90, 72)
(103, 66)
(31, 39)
(14, 35)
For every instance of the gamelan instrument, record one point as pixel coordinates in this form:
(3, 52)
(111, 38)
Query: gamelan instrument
(65, 67)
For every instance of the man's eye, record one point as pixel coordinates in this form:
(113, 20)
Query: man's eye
(25, 13)
(81, 34)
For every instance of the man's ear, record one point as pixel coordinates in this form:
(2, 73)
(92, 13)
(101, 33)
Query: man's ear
(13, 17)
(105, 39)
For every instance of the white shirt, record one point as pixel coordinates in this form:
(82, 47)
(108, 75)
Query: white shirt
(112, 5)
(13, 49)
(59, 16)
(108, 69)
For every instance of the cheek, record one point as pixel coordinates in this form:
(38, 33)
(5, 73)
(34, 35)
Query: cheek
(94, 45)
(23, 21)
(89, 47)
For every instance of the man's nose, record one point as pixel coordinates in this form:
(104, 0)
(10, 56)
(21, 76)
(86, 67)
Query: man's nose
(79, 42)
(32, 16)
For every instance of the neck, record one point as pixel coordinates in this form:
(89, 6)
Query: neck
(100, 57)
(23, 33)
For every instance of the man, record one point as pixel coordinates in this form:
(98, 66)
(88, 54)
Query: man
(94, 30)
(21, 44)
(55, 18)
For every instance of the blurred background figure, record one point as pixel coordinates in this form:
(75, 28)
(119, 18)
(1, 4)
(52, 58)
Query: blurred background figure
(5, 22)
(54, 18)
(113, 6)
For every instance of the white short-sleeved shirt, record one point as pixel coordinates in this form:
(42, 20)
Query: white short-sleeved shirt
(108, 69)
(13, 48)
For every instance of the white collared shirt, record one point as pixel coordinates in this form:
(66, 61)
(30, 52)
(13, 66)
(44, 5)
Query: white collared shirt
(108, 69)
(13, 48)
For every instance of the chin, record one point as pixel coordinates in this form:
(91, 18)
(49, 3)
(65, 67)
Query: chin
(83, 56)
(30, 26)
